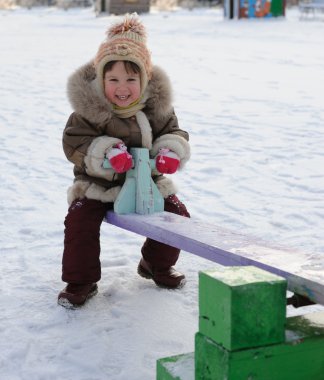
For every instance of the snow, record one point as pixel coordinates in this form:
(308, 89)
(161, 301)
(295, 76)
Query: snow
(249, 92)
(183, 367)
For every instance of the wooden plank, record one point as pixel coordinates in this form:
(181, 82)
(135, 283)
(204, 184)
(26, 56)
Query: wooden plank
(304, 271)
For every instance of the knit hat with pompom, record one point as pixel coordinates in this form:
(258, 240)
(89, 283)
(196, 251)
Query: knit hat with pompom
(126, 41)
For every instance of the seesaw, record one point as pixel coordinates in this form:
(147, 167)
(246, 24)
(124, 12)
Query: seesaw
(243, 330)
(139, 208)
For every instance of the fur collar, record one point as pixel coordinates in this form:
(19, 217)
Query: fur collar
(88, 100)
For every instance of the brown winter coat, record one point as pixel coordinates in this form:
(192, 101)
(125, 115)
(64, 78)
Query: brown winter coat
(93, 128)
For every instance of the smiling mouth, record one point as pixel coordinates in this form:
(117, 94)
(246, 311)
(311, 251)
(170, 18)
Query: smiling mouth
(122, 97)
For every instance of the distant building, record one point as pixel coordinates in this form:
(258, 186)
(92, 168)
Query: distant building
(122, 6)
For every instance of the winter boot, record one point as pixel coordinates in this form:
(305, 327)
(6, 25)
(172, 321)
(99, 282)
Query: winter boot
(164, 278)
(74, 295)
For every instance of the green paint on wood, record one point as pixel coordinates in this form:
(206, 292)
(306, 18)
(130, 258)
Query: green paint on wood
(242, 307)
(180, 367)
(300, 357)
(277, 8)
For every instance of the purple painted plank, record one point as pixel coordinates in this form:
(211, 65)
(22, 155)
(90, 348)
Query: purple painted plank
(303, 271)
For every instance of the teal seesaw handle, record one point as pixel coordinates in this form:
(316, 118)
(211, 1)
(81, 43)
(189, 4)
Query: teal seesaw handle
(139, 193)
(107, 165)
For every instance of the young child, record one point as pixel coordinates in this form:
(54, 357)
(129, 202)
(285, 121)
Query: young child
(120, 101)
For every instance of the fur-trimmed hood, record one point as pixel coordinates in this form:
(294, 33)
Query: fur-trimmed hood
(87, 99)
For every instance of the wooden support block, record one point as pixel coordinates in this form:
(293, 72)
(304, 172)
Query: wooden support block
(300, 357)
(242, 307)
(180, 367)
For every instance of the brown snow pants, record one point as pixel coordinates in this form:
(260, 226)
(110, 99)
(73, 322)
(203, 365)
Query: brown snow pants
(81, 256)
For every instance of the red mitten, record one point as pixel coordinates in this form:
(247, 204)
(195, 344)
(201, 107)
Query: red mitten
(167, 162)
(119, 158)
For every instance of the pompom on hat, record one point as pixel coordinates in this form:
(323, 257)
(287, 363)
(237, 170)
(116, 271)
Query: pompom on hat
(126, 41)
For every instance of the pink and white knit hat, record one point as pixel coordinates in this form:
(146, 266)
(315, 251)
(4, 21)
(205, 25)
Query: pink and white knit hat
(126, 41)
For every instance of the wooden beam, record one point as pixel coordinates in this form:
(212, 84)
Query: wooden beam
(304, 271)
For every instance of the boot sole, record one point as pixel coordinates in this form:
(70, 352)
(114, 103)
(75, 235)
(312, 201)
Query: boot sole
(145, 274)
(69, 305)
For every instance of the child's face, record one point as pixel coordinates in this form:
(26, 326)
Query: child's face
(122, 88)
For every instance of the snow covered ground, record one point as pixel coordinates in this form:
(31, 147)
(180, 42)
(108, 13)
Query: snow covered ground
(251, 95)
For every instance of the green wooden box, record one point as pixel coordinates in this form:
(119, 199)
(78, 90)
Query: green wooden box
(300, 357)
(242, 307)
(180, 367)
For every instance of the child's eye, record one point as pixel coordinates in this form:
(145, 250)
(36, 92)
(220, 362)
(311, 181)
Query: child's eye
(110, 79)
